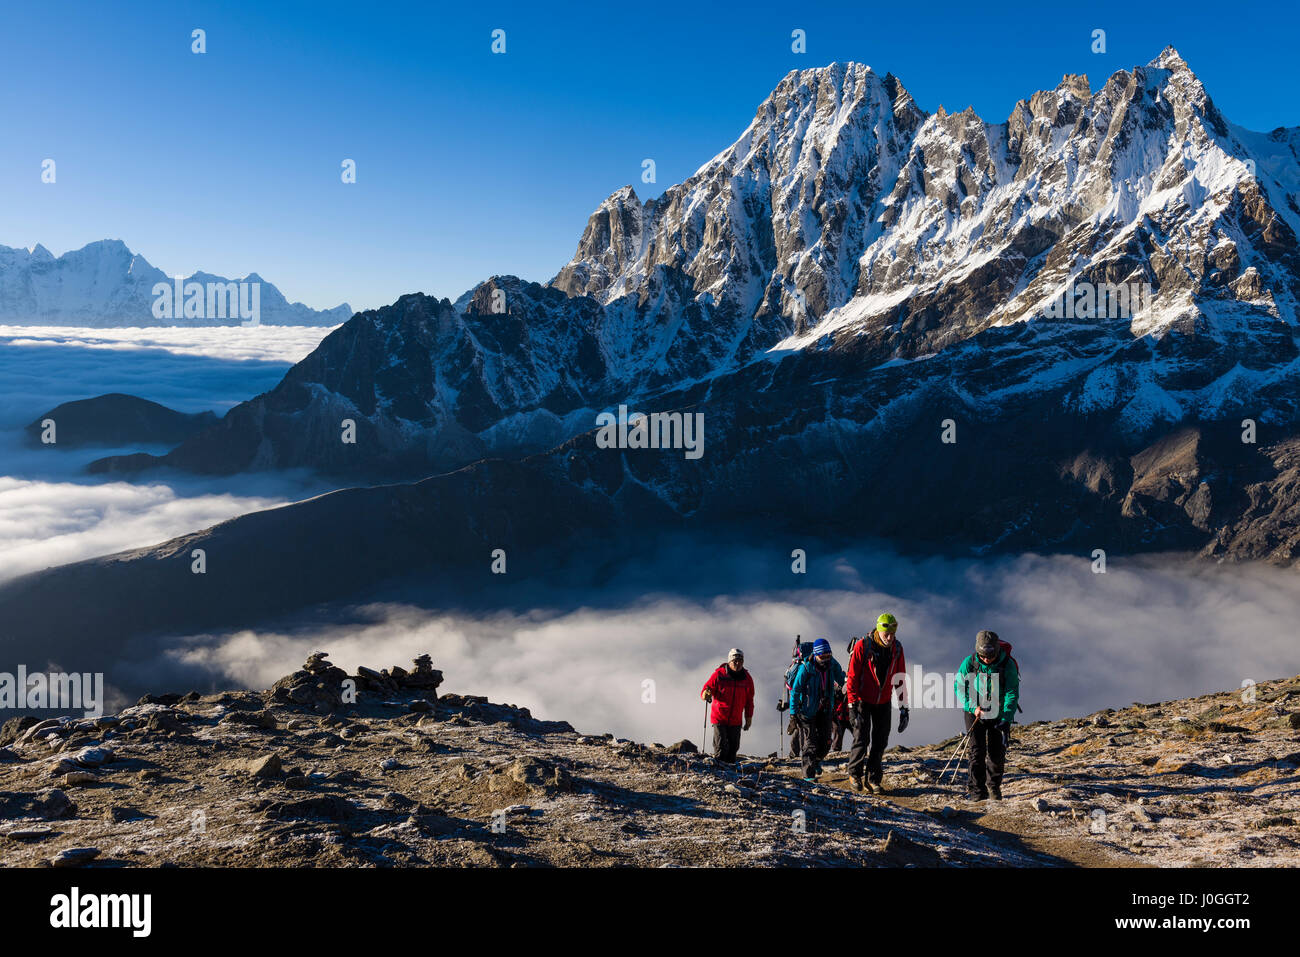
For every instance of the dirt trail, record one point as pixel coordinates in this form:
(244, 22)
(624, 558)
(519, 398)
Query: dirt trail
(999, 822)
(294, 777)
(401, 777)
(1209, 781)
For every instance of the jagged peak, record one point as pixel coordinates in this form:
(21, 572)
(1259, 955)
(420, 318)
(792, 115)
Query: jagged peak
(901, 96)
(1169, 59)
(622, 196)
(1174, 73)
(1075, 84)
(838, 74)
(836, 69)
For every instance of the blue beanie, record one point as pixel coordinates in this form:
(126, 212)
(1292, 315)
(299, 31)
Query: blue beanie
(821, 647)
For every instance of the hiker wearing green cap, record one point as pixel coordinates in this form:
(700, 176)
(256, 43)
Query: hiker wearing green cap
(812, 699)
(876, 667)
(988, 690)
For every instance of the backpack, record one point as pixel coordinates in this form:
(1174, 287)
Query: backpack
(801, 653)
(1002, 669)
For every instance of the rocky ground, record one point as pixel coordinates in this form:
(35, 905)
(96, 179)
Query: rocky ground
(403, 776)
(1198, 782)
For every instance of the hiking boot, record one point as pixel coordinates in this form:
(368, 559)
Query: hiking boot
(866, 786)
(995, 792)
(878, 782)
(977, 796)
(857, 783)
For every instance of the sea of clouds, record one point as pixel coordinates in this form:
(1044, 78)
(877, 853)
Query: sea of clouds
(630, 655)
(632, 661)
(51, 512)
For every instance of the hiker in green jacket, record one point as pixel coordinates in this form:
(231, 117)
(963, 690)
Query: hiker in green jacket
(988, 691)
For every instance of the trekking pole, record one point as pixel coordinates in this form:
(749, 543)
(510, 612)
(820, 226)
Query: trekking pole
(780, 732)
(704, 739)
(961, 745)
(955, 750)
(961, 758)
(964, 763)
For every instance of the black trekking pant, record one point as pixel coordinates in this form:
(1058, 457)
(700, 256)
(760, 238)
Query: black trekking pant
(869, 740)
(726, 741)
(987, 755)
(814, 736)
(837, 735)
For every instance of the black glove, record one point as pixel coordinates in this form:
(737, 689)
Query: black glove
(855, 715)
(781, 706)
(903, 717)
(1004, 729)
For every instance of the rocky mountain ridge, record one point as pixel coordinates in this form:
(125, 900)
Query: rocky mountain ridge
(847, 229)
(401, 775)
(116, 419)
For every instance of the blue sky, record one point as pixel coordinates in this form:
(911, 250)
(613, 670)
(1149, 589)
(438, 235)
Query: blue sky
(470, 163)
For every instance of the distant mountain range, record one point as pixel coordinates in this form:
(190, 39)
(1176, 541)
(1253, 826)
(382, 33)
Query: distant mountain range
(884, 317)
(105, 285)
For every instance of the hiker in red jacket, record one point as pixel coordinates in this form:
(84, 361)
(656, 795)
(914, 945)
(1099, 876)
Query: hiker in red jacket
(731, 689)
(876, 665)
(840, 722)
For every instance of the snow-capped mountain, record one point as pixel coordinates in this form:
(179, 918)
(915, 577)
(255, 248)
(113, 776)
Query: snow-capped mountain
(844, 211)
(861, 302)
(864, 303)
(105, 285)
(843, 220)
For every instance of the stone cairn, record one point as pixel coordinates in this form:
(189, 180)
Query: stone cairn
(319, 684)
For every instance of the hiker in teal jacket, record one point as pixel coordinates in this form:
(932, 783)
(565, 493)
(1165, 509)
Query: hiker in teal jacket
(988, 691)
(812, 702)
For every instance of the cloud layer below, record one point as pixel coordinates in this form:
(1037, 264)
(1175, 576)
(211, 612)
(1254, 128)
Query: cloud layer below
(50, 511)
(187, 369)
(631, 655)
(1147, 630)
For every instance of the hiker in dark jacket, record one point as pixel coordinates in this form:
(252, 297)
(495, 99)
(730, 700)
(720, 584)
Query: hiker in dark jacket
(875, 667)
(988, 690)
(840, 721)
(812, 699)
(731, 691)
(802, 651)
